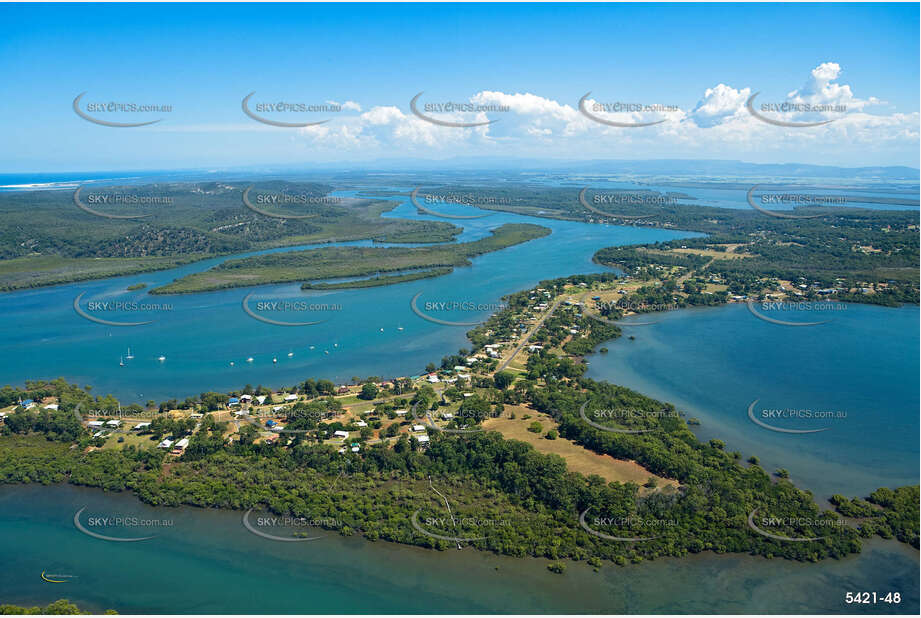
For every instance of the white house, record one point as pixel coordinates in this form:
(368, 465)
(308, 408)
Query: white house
(422, 439)
(246, 398)
(182, 443)
(418, 427)
(113, 423)
(361, 424)
(340, 434)
(51, 406)
(165, 444)
(447, 416)
(290, 397)
(95, 424)
(401, 412)
(141, 426)
(260, 399)
(432, 378)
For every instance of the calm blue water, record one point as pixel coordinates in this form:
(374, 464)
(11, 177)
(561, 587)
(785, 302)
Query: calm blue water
(202, 334)
(711, 362)
(714, 362)
(731, 197)
(206, 562)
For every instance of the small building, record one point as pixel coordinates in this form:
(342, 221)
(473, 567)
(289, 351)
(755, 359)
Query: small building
(340, 434)
(51, 406)
(260, 399)
(433, 378)
(28, 404)
(361, 424)
(270, 423)
(401, 412)
(246, 398)
(423, 439)
(141, 426)
(355, 449)
(418, 427)
(447, 416)
(468, 394)
(233, 401)
(342, 390)
(290, 397)
(95, 424)
(165, 444)
(113, 423)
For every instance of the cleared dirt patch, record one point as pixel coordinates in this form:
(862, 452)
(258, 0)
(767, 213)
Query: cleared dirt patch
(577, 458)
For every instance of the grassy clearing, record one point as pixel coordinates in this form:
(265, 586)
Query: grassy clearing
(577, 458)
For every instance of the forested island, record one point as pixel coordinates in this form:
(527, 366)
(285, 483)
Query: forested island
(348, 262)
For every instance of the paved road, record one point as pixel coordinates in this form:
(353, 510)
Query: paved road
(524, 341)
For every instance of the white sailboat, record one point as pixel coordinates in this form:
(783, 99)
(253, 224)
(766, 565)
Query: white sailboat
(161, 358)
(129, 356)
(121, 361)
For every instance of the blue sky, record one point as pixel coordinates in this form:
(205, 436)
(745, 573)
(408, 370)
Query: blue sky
(536, 60)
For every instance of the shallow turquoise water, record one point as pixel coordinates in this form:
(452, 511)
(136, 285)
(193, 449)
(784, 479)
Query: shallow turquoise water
(201, 334)
(206, 562)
